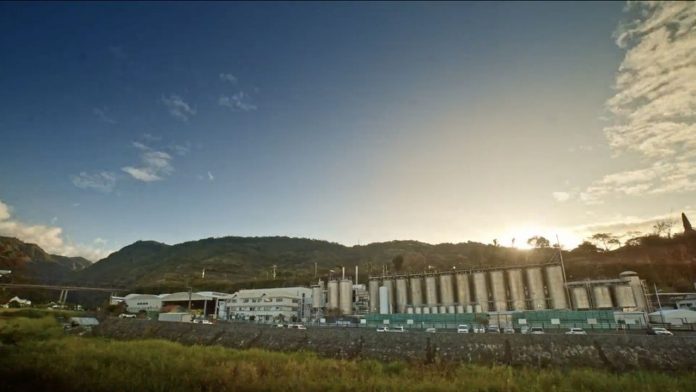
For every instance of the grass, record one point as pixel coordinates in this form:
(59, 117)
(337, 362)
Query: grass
(39, 357)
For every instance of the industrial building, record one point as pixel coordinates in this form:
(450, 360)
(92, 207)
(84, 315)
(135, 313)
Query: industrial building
(267, 305)
(202, 302)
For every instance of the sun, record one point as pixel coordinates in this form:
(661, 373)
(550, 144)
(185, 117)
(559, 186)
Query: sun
(517, 237)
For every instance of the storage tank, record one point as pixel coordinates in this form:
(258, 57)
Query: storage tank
(481, 291)
(401, 295)
(516, 289)
(416, 291)
(433, 310)
(317, 297)
(580, 298)
(430, 290)
(602, 297)
(346, 296)
(426, 310)
(384, 300)
(555, 283)
(624, 296)
(460, 309)
(451, 309)
(463, 291)
(633, 280)
(498, 290)
(333, 294)
(389, 284)
(446, 290)
(417, 309)
(374, 295)
(535, 285)
(409, 310)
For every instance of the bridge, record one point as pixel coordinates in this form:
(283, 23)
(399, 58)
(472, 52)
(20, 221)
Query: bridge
(64, 289)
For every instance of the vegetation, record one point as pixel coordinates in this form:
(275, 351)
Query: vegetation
(38, 357)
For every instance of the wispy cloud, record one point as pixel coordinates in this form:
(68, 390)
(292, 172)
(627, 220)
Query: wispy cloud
(103, 115)
(211, 177)
(239, 101)
(178, 108)
(654, 107)
(50, 238)
(155, 164)
(228, 77)
(561, 196)
(103, 181)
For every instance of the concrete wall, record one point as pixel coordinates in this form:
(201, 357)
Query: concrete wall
(613, 352)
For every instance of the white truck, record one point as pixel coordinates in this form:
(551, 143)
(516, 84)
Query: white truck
(177, 317)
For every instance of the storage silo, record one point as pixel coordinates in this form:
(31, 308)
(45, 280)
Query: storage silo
(374, 295)
(384, 305)
(498, 291)
(463, 291)
(580, 298)
(317, 297)
(430, 290)
(416, 291)
(333, 294)
(401, 295)
(535, 285)
(633, 280)
(624, 296)
(555, 283)
(602, 297)
(516, 286)
(446, 290)
(481, 290)
(389, 284)
(346, 296)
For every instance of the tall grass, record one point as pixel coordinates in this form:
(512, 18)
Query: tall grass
(96, 364)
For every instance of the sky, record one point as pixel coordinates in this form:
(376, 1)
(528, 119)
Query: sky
(348, 122)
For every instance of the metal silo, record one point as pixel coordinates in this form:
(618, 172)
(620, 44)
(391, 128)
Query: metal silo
(580, 298)
(446, 290)
(516, 289)
(535, 285)
(384, 300)
(602, 297)
(633, 280)
(426, 310)
(624, 296)
(389, 284)
(481, 290)
(554, 280)
(430, 290)
(498, 290)
(317, 297)
(333, 294)
(374, 295)
(346, 296)
(416, 291)
(401, 295)
(463, 291)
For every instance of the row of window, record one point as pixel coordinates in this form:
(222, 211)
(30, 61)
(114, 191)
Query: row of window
(247, 300)
(260, 308)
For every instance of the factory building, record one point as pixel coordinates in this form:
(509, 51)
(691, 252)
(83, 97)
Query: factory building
(626, 294)
(268, 305)
(139, 302)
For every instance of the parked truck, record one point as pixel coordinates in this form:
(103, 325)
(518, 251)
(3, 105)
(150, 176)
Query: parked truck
(177, 317)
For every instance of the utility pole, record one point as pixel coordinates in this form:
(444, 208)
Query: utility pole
(657, 295)
(565, 280)
(315, 269)
(190, 289)
(274, 271)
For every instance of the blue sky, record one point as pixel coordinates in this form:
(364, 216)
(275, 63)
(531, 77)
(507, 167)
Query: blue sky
(351, 122)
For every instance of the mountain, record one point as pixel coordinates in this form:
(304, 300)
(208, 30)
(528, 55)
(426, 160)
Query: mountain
(30, 263)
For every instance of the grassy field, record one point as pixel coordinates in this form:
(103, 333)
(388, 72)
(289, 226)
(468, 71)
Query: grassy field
(35, 355)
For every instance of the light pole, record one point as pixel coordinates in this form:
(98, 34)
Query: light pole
(657, 295)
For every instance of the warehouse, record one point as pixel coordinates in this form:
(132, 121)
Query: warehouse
(673, 316)
(268, 305)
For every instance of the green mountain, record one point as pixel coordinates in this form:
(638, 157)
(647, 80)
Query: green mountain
(30, 263)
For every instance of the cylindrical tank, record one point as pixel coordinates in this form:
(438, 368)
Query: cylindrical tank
(416, 291)
(555, 283)
(409, 310)
(633, 280)
(535, 285)
(516, 289)
(460, 309)
(446, 290)
(469, 309)
(602, 297)
(451, 309)
(346, 296)
(384, 300)
(417, 309)
(481, 290)
(580, 298)
(426, 310)
(624, 296)
(434, 310)
(401, 295)
(333, 294)
(317, 297)
(374, 295)
(430, 290)
(442, 309)
(498, 290)
(389, 284)
(478, 308)
(463, 291)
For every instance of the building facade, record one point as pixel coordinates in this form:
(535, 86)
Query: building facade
(268, 305)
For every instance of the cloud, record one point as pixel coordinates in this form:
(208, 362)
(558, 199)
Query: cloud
(181, 149)
(237, 102)
(178, 108)
(654, 105)
(211, 177)
(103, 181)
(49, 238)
(227, 77)
(561, 196)
(155, 164)
(103, 115)
(621, 225)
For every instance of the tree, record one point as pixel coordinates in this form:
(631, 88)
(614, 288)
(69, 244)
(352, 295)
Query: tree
(586, 247)
(663, 226)
(538, 242)
(495, 242)
(605, 239)
(398, 263)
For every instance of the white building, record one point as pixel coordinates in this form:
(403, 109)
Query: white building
(267, 305)
(147, 302)
(673, 316)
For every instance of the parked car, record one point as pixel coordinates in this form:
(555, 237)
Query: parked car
(493, 329)
(576, 331)
(659, 331)
(536, 331)
(126, 315)
(479, 329)
(524, 329)
(280, 326)
(509, 330)
(382, 329)
(202, 321)
(430, 330)
(396, 329)
(296, 326)
(462, 328)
